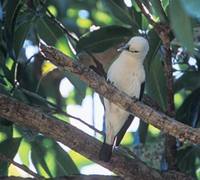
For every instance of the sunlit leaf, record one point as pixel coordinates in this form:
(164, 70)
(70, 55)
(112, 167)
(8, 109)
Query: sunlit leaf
(24, 152)
(48, 31)
(53, 10)
(38, 159)
(84, 23)
(63, 45)
(159, 10)
(64, 163)
(79, 160)
(47, 67)
(102, 17)
(52, 158)
(80, 87)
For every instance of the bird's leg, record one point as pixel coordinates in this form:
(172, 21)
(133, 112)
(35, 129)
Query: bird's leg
(135, 99)
(106, 151)
(110, 82)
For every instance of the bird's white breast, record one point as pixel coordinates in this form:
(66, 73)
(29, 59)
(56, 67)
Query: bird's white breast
(127, 74)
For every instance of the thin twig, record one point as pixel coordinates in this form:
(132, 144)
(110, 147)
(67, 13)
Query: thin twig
(99, 68)
(58, 109)
(21, 166)
(143, 8)
(57, 22)
(163, 30)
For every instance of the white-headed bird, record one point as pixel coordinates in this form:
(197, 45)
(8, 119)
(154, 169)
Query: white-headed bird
(128, 75)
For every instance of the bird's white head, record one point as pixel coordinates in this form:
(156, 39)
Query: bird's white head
(136, 47)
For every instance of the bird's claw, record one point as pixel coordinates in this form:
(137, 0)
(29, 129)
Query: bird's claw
(110, 82)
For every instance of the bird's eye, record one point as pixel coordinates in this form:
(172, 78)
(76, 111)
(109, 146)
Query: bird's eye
(134, 51)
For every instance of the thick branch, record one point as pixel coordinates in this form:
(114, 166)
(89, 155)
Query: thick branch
(170, 141)
(163, 31)
(74, 138)
(30, 117)
(144, 112)
(76, 177)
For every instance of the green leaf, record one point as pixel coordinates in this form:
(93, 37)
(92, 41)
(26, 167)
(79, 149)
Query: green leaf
(189, 112)
(8, 148)
(12, 10)
(192, 7)
(38, 158)
(154, 44)
(118, 12)
(156, 82)
(24, 151)
(52, 158)
(80, 87)
(21, 31)
(48, 31)
(187, 158)
(103, 38)
(156, 4)
(188, 81)
(6, 132)
(64, 163)
(181, 25)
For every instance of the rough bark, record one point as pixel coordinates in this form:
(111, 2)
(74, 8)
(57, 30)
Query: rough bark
(77, 177)
(79, 141)
(158, 119)
(123, 165)
(163, 30)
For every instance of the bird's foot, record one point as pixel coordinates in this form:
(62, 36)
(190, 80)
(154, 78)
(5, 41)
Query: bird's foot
(105, 152)
(135, 99)
(110, 82)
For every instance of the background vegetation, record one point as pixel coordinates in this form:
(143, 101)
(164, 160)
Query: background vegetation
(94, 27)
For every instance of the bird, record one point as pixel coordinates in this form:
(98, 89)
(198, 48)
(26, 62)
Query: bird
(128, 75)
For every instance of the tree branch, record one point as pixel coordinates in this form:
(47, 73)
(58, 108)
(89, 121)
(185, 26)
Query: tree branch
(161, 121)
(170, 141)
(144, 10)
(121, 164)
(163, 30)
(75, 177)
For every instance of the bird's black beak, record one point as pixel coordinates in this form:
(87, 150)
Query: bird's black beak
(125, 47)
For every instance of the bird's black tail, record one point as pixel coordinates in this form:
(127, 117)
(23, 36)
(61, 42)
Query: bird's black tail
(105, 152)
(123, 130)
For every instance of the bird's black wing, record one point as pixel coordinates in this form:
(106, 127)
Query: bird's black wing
(129, 120)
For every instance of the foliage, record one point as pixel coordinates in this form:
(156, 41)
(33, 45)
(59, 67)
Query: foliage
(24, 22)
